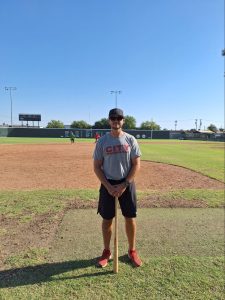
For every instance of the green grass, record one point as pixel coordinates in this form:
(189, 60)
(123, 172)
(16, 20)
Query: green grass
(160, 278)
(205, 158)
(182, 251)
(211, 198)
(32, 256)
(24, 205)
(161, 232)
(19, 204)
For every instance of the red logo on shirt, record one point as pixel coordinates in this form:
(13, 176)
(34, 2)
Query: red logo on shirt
(117, 149)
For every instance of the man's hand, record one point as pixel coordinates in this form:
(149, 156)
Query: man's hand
(116, 190)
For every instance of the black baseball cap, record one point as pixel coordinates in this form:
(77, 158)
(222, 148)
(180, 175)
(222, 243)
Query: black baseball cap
(116, 112)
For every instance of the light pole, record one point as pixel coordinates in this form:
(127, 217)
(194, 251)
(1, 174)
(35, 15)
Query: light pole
(196, 123)
(116, 92)
(223, 54)
(10, 89)
(200, 124)
(175, 125)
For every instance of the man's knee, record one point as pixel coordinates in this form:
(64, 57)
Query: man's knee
(130, 221)
(106, 222)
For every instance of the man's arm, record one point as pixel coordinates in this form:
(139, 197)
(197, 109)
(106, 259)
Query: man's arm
(101, 176)
(116, 190)
(120, 188)
(136, 164)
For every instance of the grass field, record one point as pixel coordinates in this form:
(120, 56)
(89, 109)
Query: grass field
(206, 158)
(182, 249)
(182, 252)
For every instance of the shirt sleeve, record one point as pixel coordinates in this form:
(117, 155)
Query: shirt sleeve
(135, 149)
(98, 152)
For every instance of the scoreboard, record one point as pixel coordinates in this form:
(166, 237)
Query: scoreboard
(29, 117)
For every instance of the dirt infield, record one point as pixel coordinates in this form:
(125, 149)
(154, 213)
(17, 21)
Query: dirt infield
(60, 166)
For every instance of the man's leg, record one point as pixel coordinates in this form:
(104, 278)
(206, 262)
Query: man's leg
(130, 225)
(106, 232)
(106, 209)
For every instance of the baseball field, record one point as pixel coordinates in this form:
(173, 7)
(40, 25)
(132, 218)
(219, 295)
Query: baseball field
(50, 234)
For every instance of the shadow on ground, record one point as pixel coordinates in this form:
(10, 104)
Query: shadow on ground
(44, 273)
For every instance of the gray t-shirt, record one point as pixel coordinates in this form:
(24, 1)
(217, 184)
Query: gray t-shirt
(116, 154)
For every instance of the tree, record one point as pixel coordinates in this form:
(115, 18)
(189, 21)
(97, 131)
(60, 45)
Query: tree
(130, 122)
(150, 125)
(102, 124)
(80, 124)
(55, 124)
(212, 127)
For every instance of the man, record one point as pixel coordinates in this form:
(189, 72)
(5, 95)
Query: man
(97, 136)
(116, 162)
(72, 137)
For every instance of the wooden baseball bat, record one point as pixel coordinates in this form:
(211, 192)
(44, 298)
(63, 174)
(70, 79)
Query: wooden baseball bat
(115, 255)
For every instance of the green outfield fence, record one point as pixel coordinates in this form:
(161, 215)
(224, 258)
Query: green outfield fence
(90, 133)
(79, 133)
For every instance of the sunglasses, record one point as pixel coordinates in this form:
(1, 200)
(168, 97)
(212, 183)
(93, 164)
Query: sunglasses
(116, 118)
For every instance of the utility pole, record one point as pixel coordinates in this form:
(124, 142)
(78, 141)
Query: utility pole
(10, 89)
(116, 92)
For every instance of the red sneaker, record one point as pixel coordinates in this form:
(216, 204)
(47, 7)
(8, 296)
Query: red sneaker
(104, 259)
(135, 259)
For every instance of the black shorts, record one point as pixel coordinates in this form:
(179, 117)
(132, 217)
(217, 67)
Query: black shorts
(128, 201)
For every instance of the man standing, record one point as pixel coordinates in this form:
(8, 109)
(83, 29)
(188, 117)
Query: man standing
(97, 136)
(116, 162)
(72, 137)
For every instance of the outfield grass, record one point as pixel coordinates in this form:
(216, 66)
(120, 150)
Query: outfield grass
(206, 158)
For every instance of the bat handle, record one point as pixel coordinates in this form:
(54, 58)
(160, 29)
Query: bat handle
(115, 255)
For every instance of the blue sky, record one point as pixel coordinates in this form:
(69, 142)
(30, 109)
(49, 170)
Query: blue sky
(65, 56)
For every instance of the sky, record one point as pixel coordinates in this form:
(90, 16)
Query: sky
(65, 56)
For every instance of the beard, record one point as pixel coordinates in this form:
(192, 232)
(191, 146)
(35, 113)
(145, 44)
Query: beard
(116, 126)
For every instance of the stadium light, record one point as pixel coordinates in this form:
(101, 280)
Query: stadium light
(175, 124)
(116, 92)
(10, 89)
